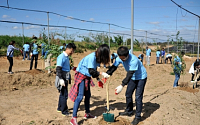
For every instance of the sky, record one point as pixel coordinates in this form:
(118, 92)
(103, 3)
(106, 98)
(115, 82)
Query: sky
(161, 17)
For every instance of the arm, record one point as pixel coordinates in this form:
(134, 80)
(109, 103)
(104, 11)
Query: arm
(128, 78)
(59, 71)
(93, 72)
(15, 48)
(111, 70)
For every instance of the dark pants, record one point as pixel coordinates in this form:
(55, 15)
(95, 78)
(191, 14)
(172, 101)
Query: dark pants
(157, 60)
(166, 60)
(139, 86)
(10, 59)
(62, 102)
(79, 98)
(32, 58)
(192, 79)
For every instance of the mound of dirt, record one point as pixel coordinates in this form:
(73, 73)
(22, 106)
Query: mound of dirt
(189, 89)
(34, 71)
(118, 121)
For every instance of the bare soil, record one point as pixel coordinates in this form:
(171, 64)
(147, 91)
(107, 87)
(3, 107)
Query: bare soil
(30, 97)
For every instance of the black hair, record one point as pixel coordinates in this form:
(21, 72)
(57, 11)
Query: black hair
(123, 51)
(113, 54)
(35, 37)
(182, 53)
(27, 43)
(64, 44)
(71, 45)
(103, 54)
(142, 55)
(12, 42)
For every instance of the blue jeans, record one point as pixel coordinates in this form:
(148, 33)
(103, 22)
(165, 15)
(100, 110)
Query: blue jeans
(26, 52)
(157, 60)
(62, 103)
(177, 77)
(79, 98)
(139, 86)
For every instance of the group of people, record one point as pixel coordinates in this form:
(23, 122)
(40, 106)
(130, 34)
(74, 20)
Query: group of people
(87, 69)
(161, 55)
(29, 52)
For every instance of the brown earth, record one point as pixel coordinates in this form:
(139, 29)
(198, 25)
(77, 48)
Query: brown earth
(30, 97)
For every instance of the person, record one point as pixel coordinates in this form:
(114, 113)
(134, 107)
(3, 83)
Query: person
(140, 57)
(113, 57)
(10, 52)
(193, 68)
(34, 53)
(177, 69)
(63, 77)
(63, 47)
(86, 69)
(135, 79)
(26, 48)
(162, 55)
(148, 55)
(168, 56)
(45, 50)
(157, 56)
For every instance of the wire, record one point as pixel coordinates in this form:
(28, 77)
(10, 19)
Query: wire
(76, 18)
(185, 9)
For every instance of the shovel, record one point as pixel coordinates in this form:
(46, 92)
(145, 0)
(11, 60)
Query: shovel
(108, 117)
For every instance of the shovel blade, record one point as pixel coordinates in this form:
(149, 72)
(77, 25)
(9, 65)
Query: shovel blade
(108, 117)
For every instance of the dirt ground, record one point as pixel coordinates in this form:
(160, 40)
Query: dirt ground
(30, 97)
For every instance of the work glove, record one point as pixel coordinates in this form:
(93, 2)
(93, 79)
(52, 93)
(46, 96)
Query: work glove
(180, 63)
(149, 56)
(118, 89)
(105, 75)
(100, 84)
(62, 82)
(31, 54)
(21, 51)
(74, 68)
(104, 80)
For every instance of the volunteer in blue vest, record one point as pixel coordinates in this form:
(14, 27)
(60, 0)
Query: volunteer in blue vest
(140, 57)
(148, 55)
(163, 55)
(157, 56)
(113, 57)
(177, 69)
(63, 77)
(26, 48)
(10, 52)
(86, 69)
(34, 53)
(63, 47)
(135, 79)
(168, 56)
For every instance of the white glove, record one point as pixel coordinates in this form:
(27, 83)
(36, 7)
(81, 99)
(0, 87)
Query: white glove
(105, 75)
(31, 54)
(62, 82)
(180, 63)
(149, 56)
(118, 89)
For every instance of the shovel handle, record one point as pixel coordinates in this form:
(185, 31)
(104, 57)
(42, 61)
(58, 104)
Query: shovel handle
(107, 91)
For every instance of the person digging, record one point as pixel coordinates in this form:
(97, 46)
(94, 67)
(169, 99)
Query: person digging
(135, 79)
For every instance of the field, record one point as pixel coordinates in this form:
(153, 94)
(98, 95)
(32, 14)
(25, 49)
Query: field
(30, 97)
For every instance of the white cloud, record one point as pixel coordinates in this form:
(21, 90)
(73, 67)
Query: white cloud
(155, 23)
(15, 27)
(5, 16)
(91, 19)
(32, 27)
(8, 17)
